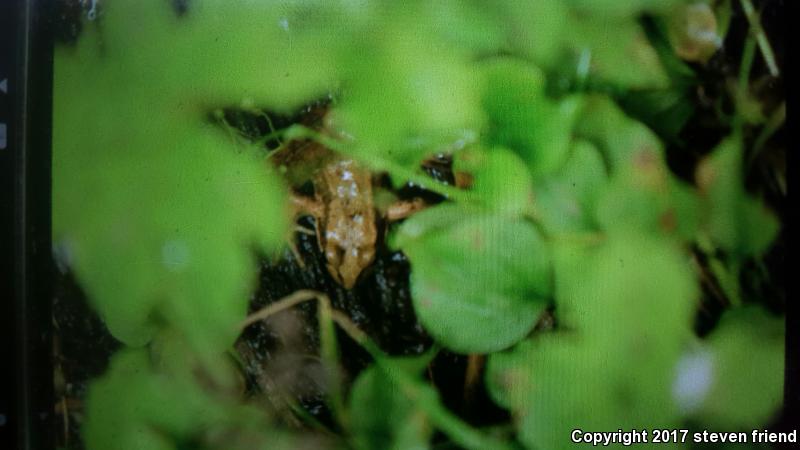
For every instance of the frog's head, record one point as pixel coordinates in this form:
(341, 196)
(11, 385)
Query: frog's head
(345, 265)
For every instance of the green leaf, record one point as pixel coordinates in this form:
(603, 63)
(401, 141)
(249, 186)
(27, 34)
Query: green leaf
(471, 24)
(565, 200)
(428, 92)
(621, 139)
(666, 111)
(139, 404)
(692, 31)
(400, 423)
(556, 383)
(131, 407)
(479, 284)
(736, 222)
(253, 53)
(630, 8)
(648, 198)
(636, 282)
(642, 193)
(158, 214)
(584, 171)
(624, 310)
(735, 380)
(523, 118)
(501, 180)
(580, 40)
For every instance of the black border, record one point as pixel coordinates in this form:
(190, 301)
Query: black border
(26, 398)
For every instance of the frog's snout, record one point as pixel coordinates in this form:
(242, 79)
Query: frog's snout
(352, 264)
(343, 276)
(348, 280)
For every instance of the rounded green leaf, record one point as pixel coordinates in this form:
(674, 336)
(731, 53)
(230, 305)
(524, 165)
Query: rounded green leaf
(736, 221)
(625, 287)
(622, 140)
(501, 180)
(602, 40)
(742, 386)
(647, 198)
(480, 284)
(624, 309)
(564, 201)
(523, 118)
(408, 92)
(139, 404)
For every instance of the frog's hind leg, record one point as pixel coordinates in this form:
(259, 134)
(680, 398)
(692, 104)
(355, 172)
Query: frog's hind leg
(404, 208)
(302, 206)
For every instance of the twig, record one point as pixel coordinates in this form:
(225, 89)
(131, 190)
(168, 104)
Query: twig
(328, 348)
(425, 397)
(285, 303)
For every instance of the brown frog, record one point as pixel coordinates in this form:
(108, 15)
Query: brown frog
(345, 217)
(343, 206)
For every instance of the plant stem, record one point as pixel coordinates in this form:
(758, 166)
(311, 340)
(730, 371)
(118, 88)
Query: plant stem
(761, 37)
(283, 304)
(748, 54)
(728, 279)
(743, 87)
(426, 398)
(328, 348)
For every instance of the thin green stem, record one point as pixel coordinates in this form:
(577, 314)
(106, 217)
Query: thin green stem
(748, 55)
(728, 279)
(761, 37)
(270, 124)
(329, 350)
(423, 395)
(425, 182)
(743, 86)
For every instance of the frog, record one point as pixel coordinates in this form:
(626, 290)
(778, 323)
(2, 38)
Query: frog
(346, 217)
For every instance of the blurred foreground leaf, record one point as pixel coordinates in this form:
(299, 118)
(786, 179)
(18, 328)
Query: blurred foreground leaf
(523, 118)
(735, 379)
(584, 39)
(157, 213)
(137, 406)
(738, 223)
(565, 200)
(501, 181)
(624, 309)
(478, 284)
(383, 415)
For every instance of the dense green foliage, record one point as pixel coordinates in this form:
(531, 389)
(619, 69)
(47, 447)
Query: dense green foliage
(161, 214)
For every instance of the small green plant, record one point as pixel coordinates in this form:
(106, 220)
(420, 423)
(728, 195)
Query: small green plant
(562, 114)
